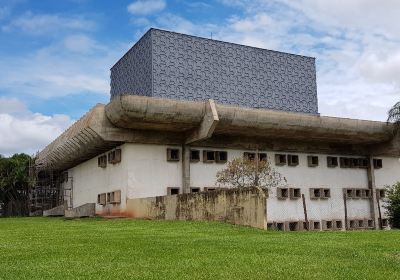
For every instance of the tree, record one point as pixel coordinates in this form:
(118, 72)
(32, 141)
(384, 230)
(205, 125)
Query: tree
(393, 204)
(242, 172)
(14, 184)
(394, 115)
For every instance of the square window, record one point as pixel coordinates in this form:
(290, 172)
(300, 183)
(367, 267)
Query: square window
(221, 156)
(262, 156)
(312, 161)
(326, 193)
(370, 223)
(295, 193)
(173, 191)
(357, 193)
(339, 224)
(315, 193)
(280, 159)
(316, 225)
(208, 156)
(332, 161)
(380, 193)
(172, 154)
(329, 224)
(282, 193)
(384, 222)
(349, 193)
(344, 162)
(194, 155)
(293, 160)
(354, 163)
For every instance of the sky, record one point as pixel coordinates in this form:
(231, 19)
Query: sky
(55, 56)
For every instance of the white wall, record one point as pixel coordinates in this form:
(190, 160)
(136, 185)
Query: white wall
(145, 172)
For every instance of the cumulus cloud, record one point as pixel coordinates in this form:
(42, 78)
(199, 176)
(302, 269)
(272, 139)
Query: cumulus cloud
(146, 7)
(24, 131)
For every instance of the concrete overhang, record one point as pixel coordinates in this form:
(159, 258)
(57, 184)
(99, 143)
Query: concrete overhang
(138, 119)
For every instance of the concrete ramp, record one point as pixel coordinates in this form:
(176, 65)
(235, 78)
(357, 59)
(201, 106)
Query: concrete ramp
(85, 210)
(53, 212)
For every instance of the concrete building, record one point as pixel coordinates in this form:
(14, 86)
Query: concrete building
(182, 107)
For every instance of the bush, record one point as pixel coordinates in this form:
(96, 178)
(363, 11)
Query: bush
(393, 204)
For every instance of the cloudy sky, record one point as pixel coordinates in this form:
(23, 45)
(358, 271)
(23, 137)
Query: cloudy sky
(55, 56)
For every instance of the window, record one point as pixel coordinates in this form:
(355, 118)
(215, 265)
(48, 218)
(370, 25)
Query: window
(173, 154)
(172, 191)
(194, 190)
(338, 224)
(366, 193)
(354, 162)
(102, 161)
(370, 223)
(315, 193)
(377, 163)
(384, 223)
(360, 223)
(282, 193)
(344, 162)
(101, 199)
(332, 161)
(349, 193)
(312, 161)
(209, 189)
(380, 193)
(115, 197)
(108, 198)
(208, 156)
(364, 163)
(221, 156)
(280, 159)
(252, 156)
(357, 193)
(293, 160)
(328, 225)
(295, 193)
(316, 225)
(194, 155)
(114, 156)
(325, 193)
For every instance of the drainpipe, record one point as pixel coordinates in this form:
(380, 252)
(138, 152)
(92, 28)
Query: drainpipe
(371, 185)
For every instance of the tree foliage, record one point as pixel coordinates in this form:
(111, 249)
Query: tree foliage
(242, 172)
(394, 115)
(14, 184)
(393, 204)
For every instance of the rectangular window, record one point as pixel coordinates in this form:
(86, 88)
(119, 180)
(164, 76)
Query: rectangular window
(108, 197)
(115, 197)
(366, 193)
(344, 162)
(364, 163)
(114, 156)
(194, 190)
(208, 156)
(332, 161)
(357, 193)
(293, 160)
(209, 189)
(354, 163)
(338, 224)
(380, 193)
(102, 161)
(349, 193)
(312, 161)
(194, 155)
(295, 193)
(173, 154)
(101, 199)
(377, 163)
(315, 193)
(282, 193)
(280, 159)
(221, 156)
(172, 191)
(325, 193)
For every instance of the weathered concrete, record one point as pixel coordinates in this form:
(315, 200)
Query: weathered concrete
(85, 210)
(237, 206)
(56, 211)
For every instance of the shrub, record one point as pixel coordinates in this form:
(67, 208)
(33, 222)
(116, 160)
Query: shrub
(393, 204)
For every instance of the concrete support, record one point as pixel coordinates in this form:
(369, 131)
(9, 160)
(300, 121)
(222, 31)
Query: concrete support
(185, 169)
(371, 185)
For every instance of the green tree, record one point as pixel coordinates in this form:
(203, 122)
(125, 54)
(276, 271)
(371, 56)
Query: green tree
(14, 184)
(393, 204)
(394, 115)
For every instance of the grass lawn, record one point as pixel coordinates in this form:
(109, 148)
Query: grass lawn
(40, 248)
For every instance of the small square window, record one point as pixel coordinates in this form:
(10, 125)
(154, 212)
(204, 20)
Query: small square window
(172, 154)
(377, 163)
(354, 162)
(221, 156)
(194, 155)
(282, 193)
(326, 193)
(262, 156)
(338, 224)
(349, 193)
(102, 161)
(380, 193)
(358, 193)
(280, 159)
(315, 193)
(208, 156)
(312, 161)
(332, 161)
(295, 193)
(384, 222)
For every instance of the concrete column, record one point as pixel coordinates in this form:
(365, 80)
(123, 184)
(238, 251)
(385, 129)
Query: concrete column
(371, 185)
(185, 169)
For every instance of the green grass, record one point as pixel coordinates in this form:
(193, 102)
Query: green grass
(44, 248)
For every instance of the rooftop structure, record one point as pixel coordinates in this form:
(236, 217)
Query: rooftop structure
(176, 66)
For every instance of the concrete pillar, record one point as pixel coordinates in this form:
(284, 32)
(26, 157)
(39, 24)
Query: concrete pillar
(185, 169)
(371, 185)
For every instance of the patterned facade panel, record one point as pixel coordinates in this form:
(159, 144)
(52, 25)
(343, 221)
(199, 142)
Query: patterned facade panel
(132, 74)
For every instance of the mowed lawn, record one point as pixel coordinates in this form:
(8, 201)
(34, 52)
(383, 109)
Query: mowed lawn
(54, 248)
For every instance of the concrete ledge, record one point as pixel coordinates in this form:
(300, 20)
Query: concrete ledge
(56, 211)
(85, 210)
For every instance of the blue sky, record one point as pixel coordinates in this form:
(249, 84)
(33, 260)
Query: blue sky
(55, 56)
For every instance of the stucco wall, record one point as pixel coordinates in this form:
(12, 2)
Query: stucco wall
(145, 172)
(193, 68)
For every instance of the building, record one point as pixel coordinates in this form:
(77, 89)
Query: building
(182, 106)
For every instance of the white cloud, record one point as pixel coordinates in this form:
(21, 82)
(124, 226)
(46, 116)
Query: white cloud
(79, 43)
(24, 131)
(146, 7)
(45, 24)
